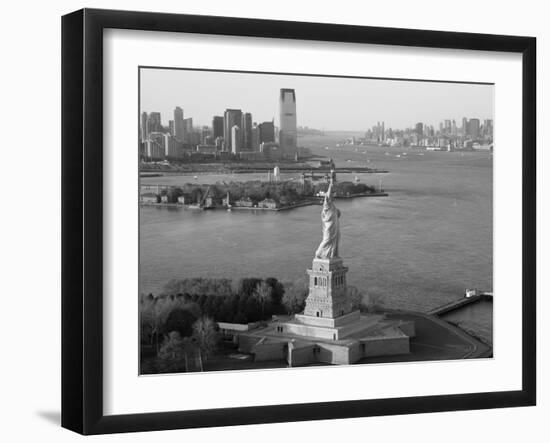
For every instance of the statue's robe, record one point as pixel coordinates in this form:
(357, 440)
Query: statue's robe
(331, 231)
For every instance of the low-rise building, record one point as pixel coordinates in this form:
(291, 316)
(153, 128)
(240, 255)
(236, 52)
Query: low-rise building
(181, 199)
(245, 202)
(149, 198)
(268, 203)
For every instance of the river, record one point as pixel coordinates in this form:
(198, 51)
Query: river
(418, 248)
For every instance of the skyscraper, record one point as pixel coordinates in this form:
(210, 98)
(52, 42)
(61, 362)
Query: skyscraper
(464, 127)
(288, 134)
(231, 117)
(171, 128)
(473, 126)
(448, 127)
(188, 130)
(217, 126)
(153, 123)
(236, 139)
(179, 128)
(267, 132)
(255, 137)
(143, 130)
(246, 128)
(419, 129)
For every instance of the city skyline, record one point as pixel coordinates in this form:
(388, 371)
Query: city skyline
(322, 102)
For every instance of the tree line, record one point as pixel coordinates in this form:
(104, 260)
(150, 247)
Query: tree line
(283, 192)
(179, 325)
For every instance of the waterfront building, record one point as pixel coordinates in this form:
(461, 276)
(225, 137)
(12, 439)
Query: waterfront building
(383, 132)
(217, 126)
(236, 140)
(171, 128)
(267, 132)
(187, 130)
(171, 146)
(488, 128)
(143, 129)
(453, 128)
(155, 145)
(208, 140)
(464, 127)
(448, 127)
(181, 199)
(231, 118)
(149, 197)
(474, 128)
(179, 127)
(419, 128)
(255, 137)
(268, 203)
(246, 128)
(219, 143)
(288, 135)
(153, 123)
(244, 202)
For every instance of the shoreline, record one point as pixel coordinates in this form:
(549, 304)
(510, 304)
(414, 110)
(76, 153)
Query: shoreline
(316, 201)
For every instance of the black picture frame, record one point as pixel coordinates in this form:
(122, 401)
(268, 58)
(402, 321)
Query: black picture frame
(82, 218)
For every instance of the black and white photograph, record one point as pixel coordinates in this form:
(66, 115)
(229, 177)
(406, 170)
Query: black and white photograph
(292, 220)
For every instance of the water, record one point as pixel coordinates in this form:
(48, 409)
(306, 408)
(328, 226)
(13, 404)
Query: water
(418, 248)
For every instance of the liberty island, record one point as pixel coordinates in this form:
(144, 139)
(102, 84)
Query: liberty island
(329, 331)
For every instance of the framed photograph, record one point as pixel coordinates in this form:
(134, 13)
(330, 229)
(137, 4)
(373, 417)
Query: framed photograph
(269, 221)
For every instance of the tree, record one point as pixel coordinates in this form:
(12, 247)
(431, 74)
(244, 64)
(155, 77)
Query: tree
(278, 290)
(173, 352)
(294, 298)
(263, 293)
(180, 320)
(153, 314)
(206, 337)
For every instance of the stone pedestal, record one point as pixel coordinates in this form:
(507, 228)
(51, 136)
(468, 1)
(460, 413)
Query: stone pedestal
(327, 289)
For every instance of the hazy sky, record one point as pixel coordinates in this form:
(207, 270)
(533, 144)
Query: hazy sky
(321, 102)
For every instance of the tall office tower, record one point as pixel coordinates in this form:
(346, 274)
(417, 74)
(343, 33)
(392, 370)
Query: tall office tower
(143, 129)
(246, 127)
(231, 117)
(171, 127)
(156, 145)
(465, 131)
(170, 146)
(288, 134)
(236, 139)
(217, 126)
(473, 126)
(441, 128)
(488, 128)
(179, 127)
(187, 130)
(453, 128)
(419, 129)
(255, 137)
(153, 123)
(448, 127)
(267, 132)
(383, 132)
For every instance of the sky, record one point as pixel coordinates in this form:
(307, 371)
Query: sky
(337, 104)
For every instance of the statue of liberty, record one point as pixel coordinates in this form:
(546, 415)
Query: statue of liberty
(330, 225)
